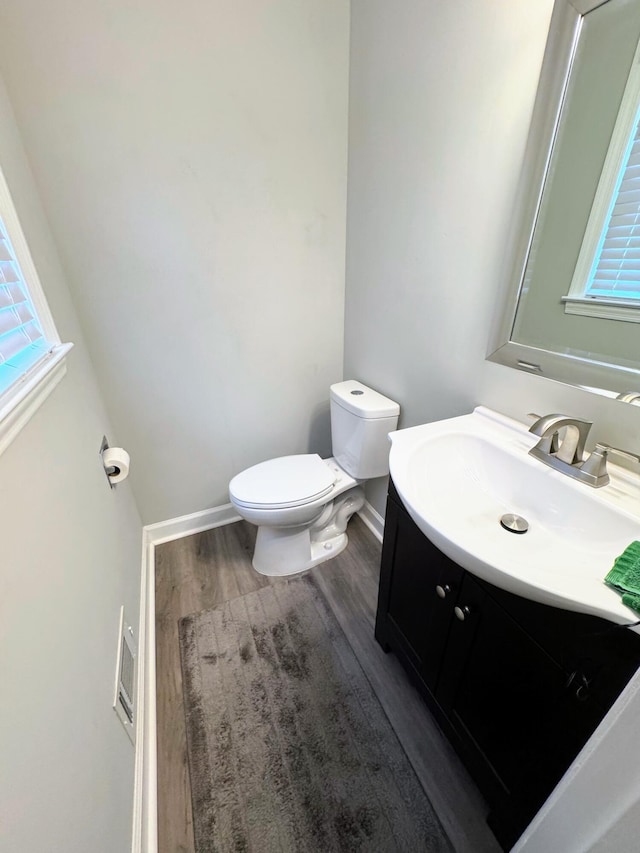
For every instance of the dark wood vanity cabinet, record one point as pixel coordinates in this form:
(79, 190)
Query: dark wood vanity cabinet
(517, 686)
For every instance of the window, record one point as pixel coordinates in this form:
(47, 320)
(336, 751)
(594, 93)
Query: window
(31, 354)
(606, 281)
(22, 340)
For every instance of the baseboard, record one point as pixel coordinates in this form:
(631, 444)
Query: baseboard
(373, 520)
(186, 525)
(207, 519)
(145, 796)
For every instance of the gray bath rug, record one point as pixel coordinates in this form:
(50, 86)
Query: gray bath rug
(289, 749)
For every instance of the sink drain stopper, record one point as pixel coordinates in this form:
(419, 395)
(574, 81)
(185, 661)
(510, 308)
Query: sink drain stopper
(514, 523)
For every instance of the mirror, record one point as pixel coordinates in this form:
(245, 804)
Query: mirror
(586, 77)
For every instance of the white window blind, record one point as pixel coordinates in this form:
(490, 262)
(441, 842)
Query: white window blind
(616, 271)
(22, 341)
(32, 357)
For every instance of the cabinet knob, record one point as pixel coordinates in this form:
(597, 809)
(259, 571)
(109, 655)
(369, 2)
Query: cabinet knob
(462, 612)
(583, 691)
(443, 591)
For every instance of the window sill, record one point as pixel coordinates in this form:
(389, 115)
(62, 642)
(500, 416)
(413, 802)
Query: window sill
(606, 309)
(25, 401)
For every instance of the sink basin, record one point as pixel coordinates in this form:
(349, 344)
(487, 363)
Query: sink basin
(458, 477)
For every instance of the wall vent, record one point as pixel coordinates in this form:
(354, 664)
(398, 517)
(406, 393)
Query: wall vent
(124, 702)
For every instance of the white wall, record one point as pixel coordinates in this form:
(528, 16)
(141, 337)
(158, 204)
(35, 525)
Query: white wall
(69, 556)
(441, 97)
(192, 160)
(440, 103)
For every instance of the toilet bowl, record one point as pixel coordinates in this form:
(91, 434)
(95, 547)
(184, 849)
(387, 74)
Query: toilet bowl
(302, 503)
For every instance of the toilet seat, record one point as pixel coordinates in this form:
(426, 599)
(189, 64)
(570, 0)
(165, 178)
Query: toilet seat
(287, 481)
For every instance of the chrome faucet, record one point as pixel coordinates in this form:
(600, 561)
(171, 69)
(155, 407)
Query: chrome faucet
(571, 449)
(567, 454)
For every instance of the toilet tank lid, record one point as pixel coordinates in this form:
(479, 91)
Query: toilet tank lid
(362, 401)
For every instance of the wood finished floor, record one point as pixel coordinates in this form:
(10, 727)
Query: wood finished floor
(206, 569)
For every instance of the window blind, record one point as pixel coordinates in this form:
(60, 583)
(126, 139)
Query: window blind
(616, 271)
(22, 342)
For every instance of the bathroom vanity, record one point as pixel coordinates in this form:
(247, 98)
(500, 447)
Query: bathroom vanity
(517, 686)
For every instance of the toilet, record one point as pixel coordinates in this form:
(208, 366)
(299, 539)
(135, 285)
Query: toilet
(302, 504)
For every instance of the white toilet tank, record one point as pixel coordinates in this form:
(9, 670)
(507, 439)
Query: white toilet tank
(360, 421)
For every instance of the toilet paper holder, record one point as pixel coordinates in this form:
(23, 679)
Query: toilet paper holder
(108, 470)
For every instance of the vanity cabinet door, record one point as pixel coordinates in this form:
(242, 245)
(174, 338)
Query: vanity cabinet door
(418, 586)
(511, 706)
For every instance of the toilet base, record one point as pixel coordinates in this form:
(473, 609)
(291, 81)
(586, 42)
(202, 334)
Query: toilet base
(283, 551)
(276, 555)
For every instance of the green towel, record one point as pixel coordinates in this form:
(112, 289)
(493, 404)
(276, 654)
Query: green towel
(625, 576)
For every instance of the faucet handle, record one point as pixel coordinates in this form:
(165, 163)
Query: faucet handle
(606, 448)
(596, 464)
